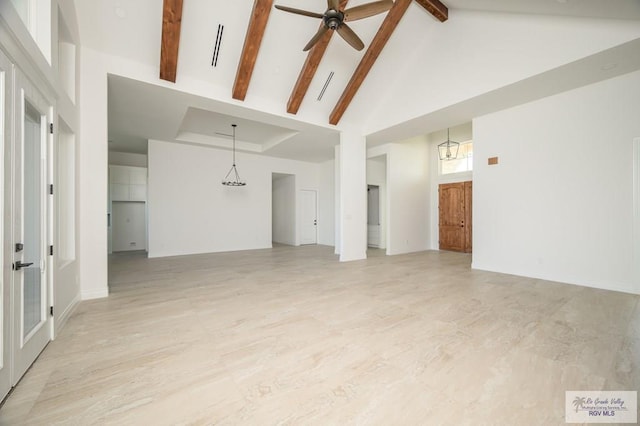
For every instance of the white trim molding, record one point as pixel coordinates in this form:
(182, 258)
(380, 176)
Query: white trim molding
(95, 294)
(636, 214)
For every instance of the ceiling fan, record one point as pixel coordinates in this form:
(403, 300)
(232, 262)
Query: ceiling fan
(334, 19)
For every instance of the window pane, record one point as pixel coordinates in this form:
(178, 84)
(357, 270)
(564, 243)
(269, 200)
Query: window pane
(463, 163)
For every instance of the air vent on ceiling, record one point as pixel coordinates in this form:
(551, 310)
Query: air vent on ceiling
(216, 47)
(326, 84)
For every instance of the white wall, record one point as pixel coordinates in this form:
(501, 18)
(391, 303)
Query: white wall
(326, 203)
(283, 210)
(93, 171)
(337, 196)
(558, 206)
(191, 212)
(353, 196)
(127, 159)
(408, 196)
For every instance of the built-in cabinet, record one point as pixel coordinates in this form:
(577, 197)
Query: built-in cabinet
(128, 208)
(127, 183)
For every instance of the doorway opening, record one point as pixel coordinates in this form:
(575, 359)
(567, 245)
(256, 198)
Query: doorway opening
(283, 209)
(377, 204)
(373, 216)
(127, 209)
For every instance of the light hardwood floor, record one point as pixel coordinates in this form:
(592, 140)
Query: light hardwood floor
(292, 336)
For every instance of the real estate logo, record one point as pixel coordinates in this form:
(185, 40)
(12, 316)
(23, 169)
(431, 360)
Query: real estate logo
(601, 406)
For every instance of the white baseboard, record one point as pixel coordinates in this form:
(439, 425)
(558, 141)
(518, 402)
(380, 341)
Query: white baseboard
(64, 317)
(95, 294)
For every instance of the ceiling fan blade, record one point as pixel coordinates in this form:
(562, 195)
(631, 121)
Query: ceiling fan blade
(350, 37)
(299, 11)
(366, 10)
(333, 4)
(323, 29)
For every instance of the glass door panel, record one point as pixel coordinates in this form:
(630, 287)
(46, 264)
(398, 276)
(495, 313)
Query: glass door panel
(33, 306)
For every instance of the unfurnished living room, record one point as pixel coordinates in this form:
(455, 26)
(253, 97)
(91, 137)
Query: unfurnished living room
(385, 212)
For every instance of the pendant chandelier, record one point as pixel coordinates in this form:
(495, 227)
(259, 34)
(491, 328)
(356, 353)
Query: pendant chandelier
(448, 150)
(233, 178)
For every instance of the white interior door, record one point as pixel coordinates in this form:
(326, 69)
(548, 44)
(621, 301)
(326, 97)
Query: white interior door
(309, 217)
(31, 319)
(5, 272)
(129, 227)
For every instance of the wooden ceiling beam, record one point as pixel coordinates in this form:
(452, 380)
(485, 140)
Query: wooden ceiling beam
(171, 22)
(252, 41)
(309, 69)
(389, 24)
(436, 8)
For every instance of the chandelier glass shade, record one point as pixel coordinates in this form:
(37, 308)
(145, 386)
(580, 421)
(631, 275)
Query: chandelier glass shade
(448, 150)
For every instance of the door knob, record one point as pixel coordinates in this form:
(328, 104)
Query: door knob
(19, 265)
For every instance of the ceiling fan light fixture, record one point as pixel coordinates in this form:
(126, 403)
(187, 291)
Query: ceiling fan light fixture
(233, 177)
(335, 19)
(448, 150)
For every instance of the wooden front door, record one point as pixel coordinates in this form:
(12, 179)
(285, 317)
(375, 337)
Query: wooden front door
(455, 216)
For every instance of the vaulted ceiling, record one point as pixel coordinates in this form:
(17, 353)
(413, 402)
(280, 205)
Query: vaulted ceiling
(262, 76)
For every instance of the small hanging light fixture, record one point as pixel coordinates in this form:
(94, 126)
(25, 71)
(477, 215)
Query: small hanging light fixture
(448, 150)
(233, 178)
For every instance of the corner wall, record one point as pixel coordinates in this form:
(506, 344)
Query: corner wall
(408, 194)
(559, 205)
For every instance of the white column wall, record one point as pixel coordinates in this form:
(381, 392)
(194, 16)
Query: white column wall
(337, 211)
(353, 196)
(93, 197)
(408, 196)
(326, 203)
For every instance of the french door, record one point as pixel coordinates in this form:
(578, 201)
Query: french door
(26, 323)
(31, 320)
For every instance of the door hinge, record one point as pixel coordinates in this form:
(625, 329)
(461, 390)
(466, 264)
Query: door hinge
(50, 250)
(51, 189)
(51, 310)
(51, 128)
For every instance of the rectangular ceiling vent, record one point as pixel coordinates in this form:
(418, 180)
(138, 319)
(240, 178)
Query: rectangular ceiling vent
(326, 84)
(216, 47)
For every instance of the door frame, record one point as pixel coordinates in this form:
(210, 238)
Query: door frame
(466, 217)
(25, 349)
(6, 291)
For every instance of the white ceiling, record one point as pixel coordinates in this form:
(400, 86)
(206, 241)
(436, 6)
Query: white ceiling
(615, 9)
(139, 111)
